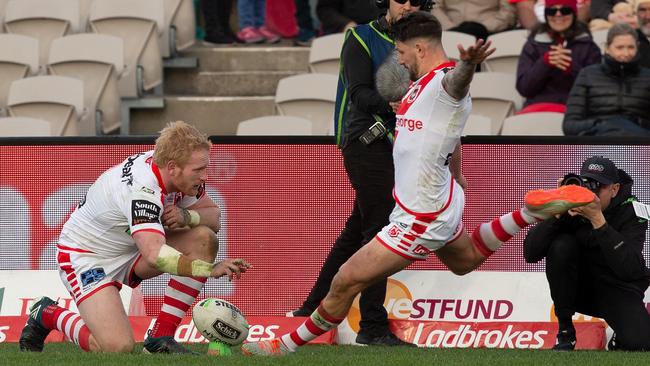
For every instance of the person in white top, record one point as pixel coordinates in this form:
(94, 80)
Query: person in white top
(427, 216)
(143, 217)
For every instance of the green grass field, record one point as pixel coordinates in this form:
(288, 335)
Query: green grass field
(67, 354)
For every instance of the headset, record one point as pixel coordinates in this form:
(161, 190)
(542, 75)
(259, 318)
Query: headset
(426, 4)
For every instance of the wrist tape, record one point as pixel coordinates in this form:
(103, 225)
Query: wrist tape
(172, 261)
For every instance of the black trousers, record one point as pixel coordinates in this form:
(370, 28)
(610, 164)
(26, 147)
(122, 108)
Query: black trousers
(475, 29)
(576, 287)
(303, 14)
(371, 173)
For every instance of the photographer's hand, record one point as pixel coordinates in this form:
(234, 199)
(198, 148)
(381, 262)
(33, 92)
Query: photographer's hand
(592, 212)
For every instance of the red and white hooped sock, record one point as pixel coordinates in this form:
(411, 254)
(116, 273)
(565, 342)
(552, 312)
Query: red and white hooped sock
(180, 294)
(320, 322)
(489, 237)
(69, 323)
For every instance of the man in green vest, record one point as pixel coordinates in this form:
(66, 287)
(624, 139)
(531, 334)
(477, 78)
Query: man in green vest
(368, 160)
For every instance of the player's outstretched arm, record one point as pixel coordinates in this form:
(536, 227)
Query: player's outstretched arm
(456, 82)
(166, 259)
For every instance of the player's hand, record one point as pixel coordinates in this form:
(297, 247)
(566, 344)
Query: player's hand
(175, 218)
(477, 53)
(233, 268)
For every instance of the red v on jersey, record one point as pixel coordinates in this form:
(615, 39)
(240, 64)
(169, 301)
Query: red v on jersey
(416, 88)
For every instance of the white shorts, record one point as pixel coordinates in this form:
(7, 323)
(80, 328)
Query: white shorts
(84, 272)
(414, 236)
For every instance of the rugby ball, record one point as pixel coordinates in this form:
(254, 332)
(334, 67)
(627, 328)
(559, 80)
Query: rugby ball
(220, 321)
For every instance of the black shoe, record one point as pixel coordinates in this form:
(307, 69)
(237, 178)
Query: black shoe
(219, 38)
(32, 338)
(388, 339)
(300, 312)
(304, 37)
(166, 344)
(566, 341)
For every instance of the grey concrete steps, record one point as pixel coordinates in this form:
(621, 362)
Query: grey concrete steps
(223, 83)
(231, 84)
(250, 58)
(212, 115)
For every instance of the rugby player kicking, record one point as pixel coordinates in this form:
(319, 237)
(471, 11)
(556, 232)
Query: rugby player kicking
(429, 199)
(146, 216)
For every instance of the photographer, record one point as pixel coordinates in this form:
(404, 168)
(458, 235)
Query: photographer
(594, 261)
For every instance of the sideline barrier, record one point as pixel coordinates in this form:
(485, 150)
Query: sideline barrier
(521, 335)
(285, 200)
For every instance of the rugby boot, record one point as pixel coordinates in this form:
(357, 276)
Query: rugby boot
(165, 344)
(546, 203)
(566, 341)
(273, 347)
(32, 338)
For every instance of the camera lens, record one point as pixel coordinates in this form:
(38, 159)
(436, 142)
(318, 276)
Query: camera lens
(572, 179)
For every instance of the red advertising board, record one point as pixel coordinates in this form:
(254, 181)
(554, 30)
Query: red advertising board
(539, 335)
(283, 206)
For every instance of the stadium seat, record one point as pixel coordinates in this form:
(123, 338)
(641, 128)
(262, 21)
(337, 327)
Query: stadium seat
(508, 48)
(309, 96)
(450, 41)
(138, 24)
(274, 126)
(3, 7)
(18, 59)
(600, 39)
(494, 96)
(84, 14)
(179, 28)
(97, 60)
(56, 99)
(23, 126)
(44, 20)
(325, 53)
(477, 125)
(534, 124)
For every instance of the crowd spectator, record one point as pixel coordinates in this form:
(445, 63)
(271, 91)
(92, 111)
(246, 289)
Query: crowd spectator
(553, 56)
(643, 17)
(606, 13)
(306, 32)
(252, 19)
(340, 15)
(531, 12)
(612, 98)
(479, 18)
(216, 14)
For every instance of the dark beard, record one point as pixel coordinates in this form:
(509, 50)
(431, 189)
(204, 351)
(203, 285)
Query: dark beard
(413, 75)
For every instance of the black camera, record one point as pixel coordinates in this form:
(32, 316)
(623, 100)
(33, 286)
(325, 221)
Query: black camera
(374, 132)
(577, 180)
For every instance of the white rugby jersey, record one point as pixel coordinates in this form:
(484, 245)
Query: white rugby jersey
(429, 126)
(126, 198)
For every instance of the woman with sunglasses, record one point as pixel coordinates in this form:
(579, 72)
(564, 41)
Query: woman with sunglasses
(552, 57)
(612, 98)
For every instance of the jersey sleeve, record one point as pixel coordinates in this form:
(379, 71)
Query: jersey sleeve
(188, 201)
(143, 208)
(444, 97)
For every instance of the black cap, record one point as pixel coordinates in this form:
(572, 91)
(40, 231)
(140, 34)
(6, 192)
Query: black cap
(600, 169)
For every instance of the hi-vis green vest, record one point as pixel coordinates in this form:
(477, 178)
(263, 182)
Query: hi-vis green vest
(378, 45)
